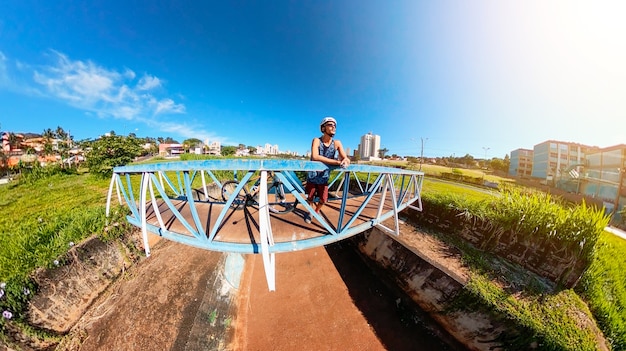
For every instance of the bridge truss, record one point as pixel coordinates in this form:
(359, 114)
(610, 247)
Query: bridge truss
(181, 201)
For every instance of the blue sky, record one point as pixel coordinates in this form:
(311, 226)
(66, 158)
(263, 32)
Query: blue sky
(462, 75)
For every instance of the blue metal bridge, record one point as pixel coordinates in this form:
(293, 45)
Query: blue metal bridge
(259, 206)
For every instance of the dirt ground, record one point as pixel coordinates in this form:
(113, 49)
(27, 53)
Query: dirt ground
(319, 304)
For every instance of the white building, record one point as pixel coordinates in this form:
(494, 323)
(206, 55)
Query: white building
(268, 149)
(369, 146)
(214, 148)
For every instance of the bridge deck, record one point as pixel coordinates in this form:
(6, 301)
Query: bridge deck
(241, 224)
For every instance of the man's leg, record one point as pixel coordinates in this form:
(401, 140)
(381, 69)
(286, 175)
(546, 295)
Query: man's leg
(322, 193)
(310, 190)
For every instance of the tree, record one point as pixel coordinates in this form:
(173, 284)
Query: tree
(412, 159)
(48, 135)
(111, 151)
(13, 142)
(468, 160)
(252, 149)
(65, 143)
(499, 164)
(382, 152)
(228, 150)
(191, 143)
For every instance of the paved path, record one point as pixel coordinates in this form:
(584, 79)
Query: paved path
(326, 299)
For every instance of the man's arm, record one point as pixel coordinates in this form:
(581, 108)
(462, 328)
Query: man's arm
(344, 160)
(315, 154)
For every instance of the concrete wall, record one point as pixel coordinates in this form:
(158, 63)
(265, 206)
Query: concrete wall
(432, 288)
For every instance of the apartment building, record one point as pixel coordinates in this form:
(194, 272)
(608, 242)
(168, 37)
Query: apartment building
(551, 158)
(602, 177)
(521, 163)
(369, 146)
(581, 169)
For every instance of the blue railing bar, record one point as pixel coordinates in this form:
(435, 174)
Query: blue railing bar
(257, 165)
(293, 177)
(129, 197)
(366, 201)
(174, 210)
(215, 180)
(392, 190)
(402, 190)
(344, 197)
(180, 183)
(367, 185)
(192, 205)
(155, 204)
(358, 182)
(224, 211)
(306, 205)
(168, 181)
(405, 187)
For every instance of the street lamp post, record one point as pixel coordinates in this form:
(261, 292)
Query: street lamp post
(422, 153)
(485, 162)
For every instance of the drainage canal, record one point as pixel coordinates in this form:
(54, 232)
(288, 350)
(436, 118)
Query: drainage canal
(397, 321)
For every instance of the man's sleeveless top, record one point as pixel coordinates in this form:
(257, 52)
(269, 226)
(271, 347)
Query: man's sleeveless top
(321, 177)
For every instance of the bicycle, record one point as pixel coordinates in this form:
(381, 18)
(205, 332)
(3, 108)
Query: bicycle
(277, 202)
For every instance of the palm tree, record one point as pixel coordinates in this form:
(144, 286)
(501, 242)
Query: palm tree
(13, 142)
(382, 152)
(48, 135)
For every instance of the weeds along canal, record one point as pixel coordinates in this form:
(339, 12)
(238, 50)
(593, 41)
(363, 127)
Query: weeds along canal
(398, 322)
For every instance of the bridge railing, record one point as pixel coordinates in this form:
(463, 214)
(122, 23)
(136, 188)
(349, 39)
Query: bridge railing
(145, 186)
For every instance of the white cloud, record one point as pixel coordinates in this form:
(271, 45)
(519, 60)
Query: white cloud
(128, 73)
(103, 92)
(3, 69)
(106, 92)
(168, 106)
(148, 83)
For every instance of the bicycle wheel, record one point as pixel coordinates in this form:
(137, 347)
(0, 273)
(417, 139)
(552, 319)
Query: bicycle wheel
(277, 199)
(228, 191)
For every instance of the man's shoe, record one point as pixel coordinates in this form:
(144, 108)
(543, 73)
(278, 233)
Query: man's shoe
(307, 218)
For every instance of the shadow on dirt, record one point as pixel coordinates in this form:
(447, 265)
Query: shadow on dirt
(397, 321)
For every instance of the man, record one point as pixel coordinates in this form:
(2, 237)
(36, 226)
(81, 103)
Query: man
(323, 149)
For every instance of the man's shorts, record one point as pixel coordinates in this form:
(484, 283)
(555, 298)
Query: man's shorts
(320, 189)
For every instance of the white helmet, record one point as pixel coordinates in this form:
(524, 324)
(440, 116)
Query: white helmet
(326, 120)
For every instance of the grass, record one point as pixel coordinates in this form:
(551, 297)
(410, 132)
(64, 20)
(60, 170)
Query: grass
(544, 315)
(603, 286)
(41, 220)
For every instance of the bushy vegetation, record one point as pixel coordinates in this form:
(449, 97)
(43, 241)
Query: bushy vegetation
(549, 317)
(604, 287)
(31, 174)
(532, 217)
(41, 220)
(111, 151)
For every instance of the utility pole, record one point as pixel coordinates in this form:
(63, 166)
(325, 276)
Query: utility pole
(422, 154)
(485, 162)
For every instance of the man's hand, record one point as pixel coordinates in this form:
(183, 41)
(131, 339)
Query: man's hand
(345, 163)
